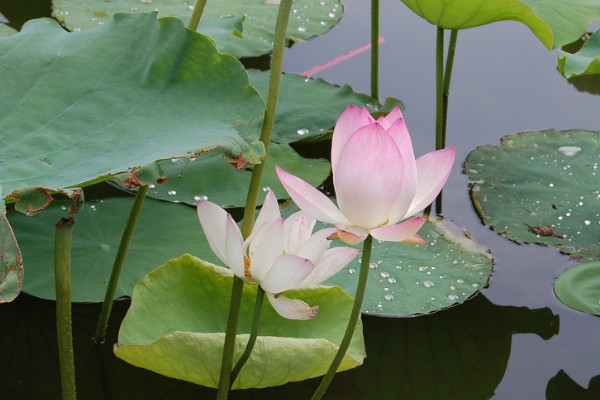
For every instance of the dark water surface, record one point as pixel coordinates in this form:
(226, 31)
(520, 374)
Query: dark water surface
(508, 344)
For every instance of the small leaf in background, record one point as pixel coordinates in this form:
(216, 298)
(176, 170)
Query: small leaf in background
(178, 315)
(308, 108)
(549, 183)
(555, 22)
(579, 287)
(220, 19)
(11, 262)
(141, 95)
(419, 279)
(164, 230)
(207, 175)
(586, 61)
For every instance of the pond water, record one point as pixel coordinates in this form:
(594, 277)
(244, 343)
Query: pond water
(509, 342)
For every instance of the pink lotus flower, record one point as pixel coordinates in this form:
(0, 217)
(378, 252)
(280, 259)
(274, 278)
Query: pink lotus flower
(279, 254)
(377, 180)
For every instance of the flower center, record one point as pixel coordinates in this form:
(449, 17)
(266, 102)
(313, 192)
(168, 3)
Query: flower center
(247, 273)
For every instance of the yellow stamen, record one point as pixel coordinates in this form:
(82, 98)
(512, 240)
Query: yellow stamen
(247, 273)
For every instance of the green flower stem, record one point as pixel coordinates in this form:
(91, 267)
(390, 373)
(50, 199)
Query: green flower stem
(118, 264)
(196, 15)
(64, 334)
(283, 14)
(439, 88)
(375, 49)
(354, 315)
(443, 77)
(260, 296)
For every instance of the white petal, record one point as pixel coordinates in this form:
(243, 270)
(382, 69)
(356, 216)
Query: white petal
(292, 308)
(269, 211)
(404, 232)
(433, 170)
(264, 249)
(298, 230)
(287, 273)
(333, 260)
(314, 248)
(223, 235)
(310, 200)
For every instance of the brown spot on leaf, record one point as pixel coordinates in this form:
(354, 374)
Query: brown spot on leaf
(544, 230)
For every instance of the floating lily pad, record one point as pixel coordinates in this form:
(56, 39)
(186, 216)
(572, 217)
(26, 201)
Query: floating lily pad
(145, 90)
(11, 262)
(579, 287)
(555, 22)
(164, 230)
(408, 279)
(209, 176)
(308, 108)
(308, 18)
(175, 326)
(584, 62)
(547, 191)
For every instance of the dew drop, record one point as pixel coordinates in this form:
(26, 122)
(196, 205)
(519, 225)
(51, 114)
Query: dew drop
(302, 131)
(428, 284)
(266, 189)
(105, 247)
(460, 281)
(373, 265)
(172, 192)
(352, 270)
(389, 297)
(570, 151)
(384, 275)
(587, 222)
(453, 297)
(200, 198)
(302, 29)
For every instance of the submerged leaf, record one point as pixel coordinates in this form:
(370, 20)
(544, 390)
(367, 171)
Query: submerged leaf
(579, 287)
(547, 191)
(189, 180)
(244, 28)
(175, 326)
(554, 22)
(164, 230)
(145, 90)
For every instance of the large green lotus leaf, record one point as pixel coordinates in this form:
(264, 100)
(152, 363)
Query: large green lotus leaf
(409, 279)
(6, 30)
(579, 287)
(308, 108)
(178, 316)
(554, 22)
(541, 187)
(308, 18)
(145, 89)
(11, 262)
(584, 62)
(164, 230)
(209, 176)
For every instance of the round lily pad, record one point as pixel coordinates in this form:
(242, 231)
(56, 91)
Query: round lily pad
(178, 315)
(164, 231)
(546, 19)
(207, 175)
(308, 108)
(409, 279)
(140, 95)
(541, 187)
(579, 287)
(220, 19)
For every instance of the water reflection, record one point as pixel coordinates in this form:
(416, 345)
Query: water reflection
(459, 353)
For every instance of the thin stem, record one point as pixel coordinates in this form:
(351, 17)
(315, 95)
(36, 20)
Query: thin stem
(271, 109)
(64, 333)
(230, 332)
(283, 14)
(354, 315)
(198, 9)
(260, 296)
(375, 49)
(439, 89)
(118, 264)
